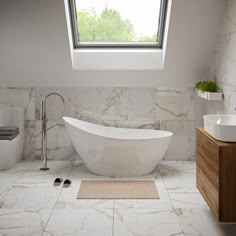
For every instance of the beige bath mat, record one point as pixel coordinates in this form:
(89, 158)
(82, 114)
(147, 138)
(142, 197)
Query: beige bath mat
(117, 189)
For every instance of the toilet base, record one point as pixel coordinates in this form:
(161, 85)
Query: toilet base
(11, 151)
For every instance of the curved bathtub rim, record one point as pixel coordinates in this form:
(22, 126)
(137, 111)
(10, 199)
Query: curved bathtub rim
(166, 134)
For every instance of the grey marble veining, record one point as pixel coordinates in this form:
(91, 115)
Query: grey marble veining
(82, 222)
(23, 222)
(175, 104)
(137, 124)
(24, 197)
(29, 141)
(201, 221)
(95, 103)
(187, 200)
(6, 182)
(135, 104)
(9, 177)
(144, 222)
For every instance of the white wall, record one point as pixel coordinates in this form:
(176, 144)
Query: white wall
(224, 64)
(34, 47)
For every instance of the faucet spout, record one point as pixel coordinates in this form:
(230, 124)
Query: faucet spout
(57, 94)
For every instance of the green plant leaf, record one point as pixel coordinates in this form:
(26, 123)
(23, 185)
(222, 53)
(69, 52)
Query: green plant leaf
(207, 86)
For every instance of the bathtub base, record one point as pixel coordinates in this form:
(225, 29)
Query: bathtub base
(121, 173)
(122, 163)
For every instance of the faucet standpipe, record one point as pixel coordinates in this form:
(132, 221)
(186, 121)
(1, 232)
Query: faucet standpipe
(44, 149)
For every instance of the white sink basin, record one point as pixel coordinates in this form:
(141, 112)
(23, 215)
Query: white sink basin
(221, 127)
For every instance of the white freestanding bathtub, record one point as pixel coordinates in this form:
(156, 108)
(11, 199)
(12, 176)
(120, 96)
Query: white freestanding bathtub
(117, 151)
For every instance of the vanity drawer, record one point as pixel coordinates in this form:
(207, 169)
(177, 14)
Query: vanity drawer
(208, 150)
(207, 189)
(208, 171)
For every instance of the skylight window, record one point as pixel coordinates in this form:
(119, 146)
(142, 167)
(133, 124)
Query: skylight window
(118, 23)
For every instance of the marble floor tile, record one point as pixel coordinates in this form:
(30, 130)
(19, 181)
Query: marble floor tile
(80, 172)
(20, 197)
(37, 181)
(82, 222)
(19, 222)
(10, 176)
(57, 168)
(145, 222)
(33, 177)
(179, 177)
(187, 200)
(6, 182)
(168, 166)
(163, 203)
(27, 199)
(68, 200)
(202, 222)
(20, 167)
(184, 181)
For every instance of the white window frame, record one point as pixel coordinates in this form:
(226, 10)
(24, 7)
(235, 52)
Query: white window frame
(118, 58)
(86, 45)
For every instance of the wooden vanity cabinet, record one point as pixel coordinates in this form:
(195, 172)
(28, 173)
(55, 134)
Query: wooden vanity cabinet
(216, 175)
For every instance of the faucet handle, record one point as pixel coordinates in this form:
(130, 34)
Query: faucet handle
(42, 110)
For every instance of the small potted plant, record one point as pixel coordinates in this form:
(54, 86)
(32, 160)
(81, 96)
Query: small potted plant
(208, 89)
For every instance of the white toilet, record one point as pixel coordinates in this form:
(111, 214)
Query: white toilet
(11, 150)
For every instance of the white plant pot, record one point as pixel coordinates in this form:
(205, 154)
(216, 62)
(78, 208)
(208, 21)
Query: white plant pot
(216, 96)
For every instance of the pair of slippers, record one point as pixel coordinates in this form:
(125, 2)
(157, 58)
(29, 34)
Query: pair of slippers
(58, 181)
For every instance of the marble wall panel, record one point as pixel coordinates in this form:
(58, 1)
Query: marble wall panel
(224, 63)
(143, 108)
(175, 104)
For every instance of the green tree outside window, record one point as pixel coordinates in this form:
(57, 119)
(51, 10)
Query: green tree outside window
(109, 26)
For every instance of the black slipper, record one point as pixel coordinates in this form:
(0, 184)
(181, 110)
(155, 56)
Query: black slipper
(57, 182)
(66, 183)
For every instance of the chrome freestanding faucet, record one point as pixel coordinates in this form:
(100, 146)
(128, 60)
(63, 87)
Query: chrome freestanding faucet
(44, 131)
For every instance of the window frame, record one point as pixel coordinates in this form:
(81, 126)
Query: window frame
(115, 45)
